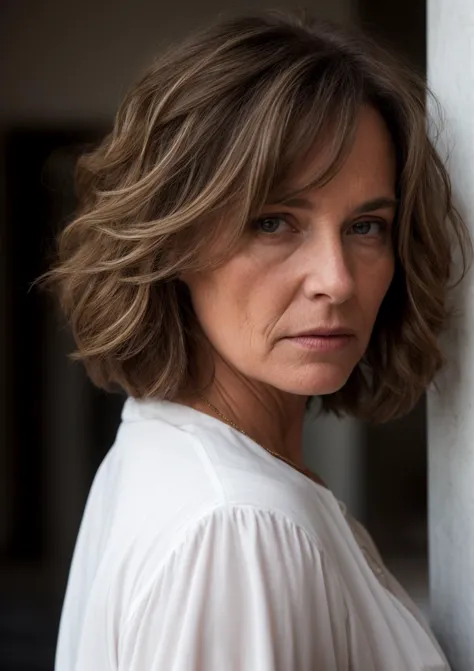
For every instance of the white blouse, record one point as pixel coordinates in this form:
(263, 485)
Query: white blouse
(200, 551)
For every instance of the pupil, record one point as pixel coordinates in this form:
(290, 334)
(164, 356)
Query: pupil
(269, 225)
(363, 227)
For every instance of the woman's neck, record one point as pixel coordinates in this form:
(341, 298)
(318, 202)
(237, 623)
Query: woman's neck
(272, 418)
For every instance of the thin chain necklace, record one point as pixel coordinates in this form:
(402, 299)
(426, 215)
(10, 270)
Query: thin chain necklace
(237, 428)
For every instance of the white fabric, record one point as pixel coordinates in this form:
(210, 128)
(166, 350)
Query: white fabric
(200, 551)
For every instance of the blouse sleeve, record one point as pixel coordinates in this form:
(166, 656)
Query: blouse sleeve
(247, 590)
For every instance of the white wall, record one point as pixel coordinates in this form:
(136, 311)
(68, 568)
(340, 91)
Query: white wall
(451, 413)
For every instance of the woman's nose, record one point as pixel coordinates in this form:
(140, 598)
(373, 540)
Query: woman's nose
(327, 273)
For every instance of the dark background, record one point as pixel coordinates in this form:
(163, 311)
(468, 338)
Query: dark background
(63, 69)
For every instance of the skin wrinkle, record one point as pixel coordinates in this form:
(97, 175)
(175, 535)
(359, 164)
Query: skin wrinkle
(316, 272)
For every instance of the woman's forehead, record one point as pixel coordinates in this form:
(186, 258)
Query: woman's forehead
(369, 156)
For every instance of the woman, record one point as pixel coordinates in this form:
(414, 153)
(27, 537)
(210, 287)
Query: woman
(266, 223)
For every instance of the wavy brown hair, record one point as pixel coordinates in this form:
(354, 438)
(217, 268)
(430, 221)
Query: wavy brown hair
(218, 125)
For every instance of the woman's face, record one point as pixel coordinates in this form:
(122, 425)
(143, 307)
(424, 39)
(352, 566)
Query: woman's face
(318, 262)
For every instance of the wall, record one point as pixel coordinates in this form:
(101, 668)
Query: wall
(451, 410)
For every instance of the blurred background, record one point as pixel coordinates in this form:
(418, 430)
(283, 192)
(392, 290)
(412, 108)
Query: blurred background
(64, 67)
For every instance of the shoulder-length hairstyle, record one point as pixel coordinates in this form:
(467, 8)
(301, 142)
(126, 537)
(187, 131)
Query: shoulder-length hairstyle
(218, 125)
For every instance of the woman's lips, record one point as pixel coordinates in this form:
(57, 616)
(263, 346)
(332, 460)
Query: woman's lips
(322, 343)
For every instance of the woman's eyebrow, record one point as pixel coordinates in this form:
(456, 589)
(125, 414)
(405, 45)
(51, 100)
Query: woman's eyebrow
(380, 203)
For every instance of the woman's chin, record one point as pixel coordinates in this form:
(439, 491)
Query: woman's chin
(327, 382)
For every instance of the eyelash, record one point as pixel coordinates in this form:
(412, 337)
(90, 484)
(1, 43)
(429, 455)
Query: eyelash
(273, 217)
(381, 223)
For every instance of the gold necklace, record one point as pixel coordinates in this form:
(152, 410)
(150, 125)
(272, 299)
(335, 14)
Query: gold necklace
(237, 428)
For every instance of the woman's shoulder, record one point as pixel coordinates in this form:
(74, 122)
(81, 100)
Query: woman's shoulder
(189, 462)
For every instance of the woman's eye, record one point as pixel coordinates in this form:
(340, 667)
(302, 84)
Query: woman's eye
(369, 228)
(271, 225)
